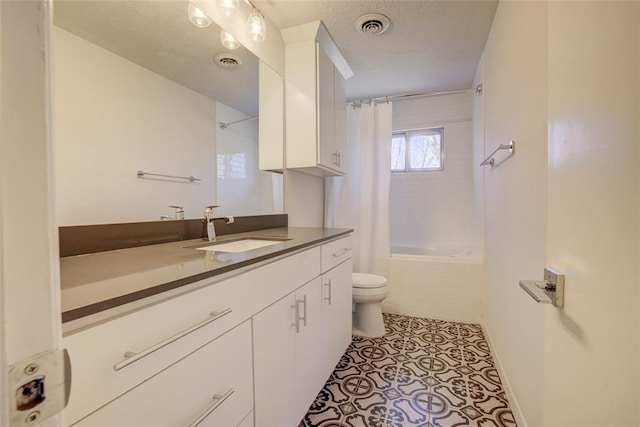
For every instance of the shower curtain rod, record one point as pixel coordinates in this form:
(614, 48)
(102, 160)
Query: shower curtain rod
(383, 99)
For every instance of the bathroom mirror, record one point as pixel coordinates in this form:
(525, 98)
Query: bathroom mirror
(139, 87)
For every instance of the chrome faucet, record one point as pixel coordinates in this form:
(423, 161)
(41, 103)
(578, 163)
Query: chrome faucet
(178, 214)
(210, 220)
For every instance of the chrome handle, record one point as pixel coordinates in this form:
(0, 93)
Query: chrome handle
(296, 307)
(131, 357)
(341, 252)
(218, 399)
(298, 317)
(328, 297)
(339, 158)
(304, 304)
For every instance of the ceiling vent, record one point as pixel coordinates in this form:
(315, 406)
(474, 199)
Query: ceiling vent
(373, 24)
(227, 61)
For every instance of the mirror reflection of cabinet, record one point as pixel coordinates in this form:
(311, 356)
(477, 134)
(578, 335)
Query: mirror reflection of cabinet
(271, 126)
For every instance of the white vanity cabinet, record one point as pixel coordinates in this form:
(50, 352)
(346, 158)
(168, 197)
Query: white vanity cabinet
(315, 111)
(167, 331)
(298, 341)
(286, 353)
(337, 268)
(256, 346)
(210, 387)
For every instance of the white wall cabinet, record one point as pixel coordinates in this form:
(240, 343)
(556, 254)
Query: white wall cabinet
(315, 111)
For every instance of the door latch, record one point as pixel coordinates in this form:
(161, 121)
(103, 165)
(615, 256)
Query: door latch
(550, 290)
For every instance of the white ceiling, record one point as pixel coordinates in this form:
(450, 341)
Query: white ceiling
(432, 45)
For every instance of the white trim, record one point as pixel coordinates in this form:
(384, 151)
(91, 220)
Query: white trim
(513, 401)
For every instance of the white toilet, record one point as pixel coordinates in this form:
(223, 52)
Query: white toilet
(368, 292)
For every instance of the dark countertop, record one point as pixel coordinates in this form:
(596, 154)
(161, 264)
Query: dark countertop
(97, 282)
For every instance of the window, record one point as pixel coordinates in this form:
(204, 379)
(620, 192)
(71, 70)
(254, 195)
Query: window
(417, 151)
(232, 166)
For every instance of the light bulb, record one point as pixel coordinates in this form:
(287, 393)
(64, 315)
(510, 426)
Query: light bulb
(228, 40)
(256, 26)
(229, 8)
(197, 17)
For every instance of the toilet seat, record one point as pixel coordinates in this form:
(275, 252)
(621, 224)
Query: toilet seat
(368, 281)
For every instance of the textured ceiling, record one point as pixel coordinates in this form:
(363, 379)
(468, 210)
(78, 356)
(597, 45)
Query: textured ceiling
(158, 36)
(432, 45)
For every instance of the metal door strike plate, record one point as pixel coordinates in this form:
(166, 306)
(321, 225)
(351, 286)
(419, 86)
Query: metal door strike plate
(39, 388)
(547, 291)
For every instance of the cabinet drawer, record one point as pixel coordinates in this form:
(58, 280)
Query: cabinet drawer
(97, 353)
(218, 374)
(333, 253)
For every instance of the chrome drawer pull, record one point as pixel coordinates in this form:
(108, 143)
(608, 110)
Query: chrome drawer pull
(298, 317)
(218, 399)
(341, 252)
(130, 357)
(328, 297)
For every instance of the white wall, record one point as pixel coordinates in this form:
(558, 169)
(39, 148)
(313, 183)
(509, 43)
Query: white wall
(566, 74)
(242, 189)
(515, 100)
(303, 199)
(594, 206)
(434, 208)
(112, 118)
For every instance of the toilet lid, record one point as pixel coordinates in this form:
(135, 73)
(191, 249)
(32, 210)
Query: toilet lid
(364, 280)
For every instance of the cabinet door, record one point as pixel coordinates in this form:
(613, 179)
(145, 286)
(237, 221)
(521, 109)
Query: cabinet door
(336, 314)
(327, 150)
(340, 122)
(218, 374)
(274, 337)
(309, 376)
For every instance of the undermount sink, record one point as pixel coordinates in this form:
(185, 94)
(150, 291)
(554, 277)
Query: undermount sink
(243, 245)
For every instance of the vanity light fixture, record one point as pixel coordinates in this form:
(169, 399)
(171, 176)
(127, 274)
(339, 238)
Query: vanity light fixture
(229, 8)
(256, 25)
(228, 40)
(198, 17)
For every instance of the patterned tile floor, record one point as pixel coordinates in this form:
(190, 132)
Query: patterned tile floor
(424, 372)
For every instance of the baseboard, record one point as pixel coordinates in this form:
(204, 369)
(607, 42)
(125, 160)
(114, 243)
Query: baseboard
(513, 401)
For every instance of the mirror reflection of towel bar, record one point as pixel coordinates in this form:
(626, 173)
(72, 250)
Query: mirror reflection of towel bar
(511, 146)
(142, 174)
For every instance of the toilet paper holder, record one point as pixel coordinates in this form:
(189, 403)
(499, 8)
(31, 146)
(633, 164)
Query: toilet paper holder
(547, 291)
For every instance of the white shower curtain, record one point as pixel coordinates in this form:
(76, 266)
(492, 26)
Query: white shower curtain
(360, 199)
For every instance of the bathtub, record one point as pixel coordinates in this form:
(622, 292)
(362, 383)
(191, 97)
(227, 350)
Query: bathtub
(433, 251)
(440, 282)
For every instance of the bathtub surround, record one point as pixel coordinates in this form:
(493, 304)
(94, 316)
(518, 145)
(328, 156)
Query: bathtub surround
(562, 79)
(436, 208)
(360, 199)
(447, 288)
